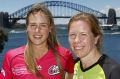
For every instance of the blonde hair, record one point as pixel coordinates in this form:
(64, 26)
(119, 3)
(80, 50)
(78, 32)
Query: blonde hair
(51, 41)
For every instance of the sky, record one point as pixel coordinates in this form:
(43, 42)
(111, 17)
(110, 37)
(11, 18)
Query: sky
(11, 6)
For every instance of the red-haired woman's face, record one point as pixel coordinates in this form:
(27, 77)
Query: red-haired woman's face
(81, 39)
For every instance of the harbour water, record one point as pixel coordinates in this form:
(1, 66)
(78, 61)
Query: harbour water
(111, 42)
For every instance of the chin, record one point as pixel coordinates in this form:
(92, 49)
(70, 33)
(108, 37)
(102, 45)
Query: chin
(78, 54)
(35, 43)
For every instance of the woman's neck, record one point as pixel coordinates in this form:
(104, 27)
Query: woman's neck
(90, 59)
(40, 51)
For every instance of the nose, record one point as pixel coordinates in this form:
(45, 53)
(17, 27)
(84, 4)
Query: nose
(77, 39)
(37, 29)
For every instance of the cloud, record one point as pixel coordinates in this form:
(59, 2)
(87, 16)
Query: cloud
(106, 9)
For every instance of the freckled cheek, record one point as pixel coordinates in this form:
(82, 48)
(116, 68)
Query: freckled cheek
(85, 41)
(88, 43)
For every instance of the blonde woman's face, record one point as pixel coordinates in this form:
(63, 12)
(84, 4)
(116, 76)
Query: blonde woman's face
(81, 39)
(38, 28)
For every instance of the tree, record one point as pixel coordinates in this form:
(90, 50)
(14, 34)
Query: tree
(3, 38)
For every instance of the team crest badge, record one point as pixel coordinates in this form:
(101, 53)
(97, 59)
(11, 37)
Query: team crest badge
(53, 70)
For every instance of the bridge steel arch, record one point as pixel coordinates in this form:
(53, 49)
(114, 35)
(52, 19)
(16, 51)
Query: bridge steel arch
(22, 12)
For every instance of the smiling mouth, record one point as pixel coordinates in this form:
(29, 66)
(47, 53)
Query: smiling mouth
(78, 47)
(38, 36)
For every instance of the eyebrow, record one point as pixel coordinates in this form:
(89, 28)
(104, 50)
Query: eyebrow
(35, 23)
(77, 33)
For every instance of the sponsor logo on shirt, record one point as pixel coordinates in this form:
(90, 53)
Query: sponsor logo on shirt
(53, 70)
(20, 70)
(23, 70)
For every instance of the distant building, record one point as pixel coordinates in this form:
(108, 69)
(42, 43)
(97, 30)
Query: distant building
(4, 19)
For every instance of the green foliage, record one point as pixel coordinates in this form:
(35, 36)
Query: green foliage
(3, 39)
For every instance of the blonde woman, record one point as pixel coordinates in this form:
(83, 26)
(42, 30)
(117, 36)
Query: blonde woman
(42, 57)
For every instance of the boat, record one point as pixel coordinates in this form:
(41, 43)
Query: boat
(17, 31)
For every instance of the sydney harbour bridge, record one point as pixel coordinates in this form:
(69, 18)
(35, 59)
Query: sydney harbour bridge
(59, 9)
